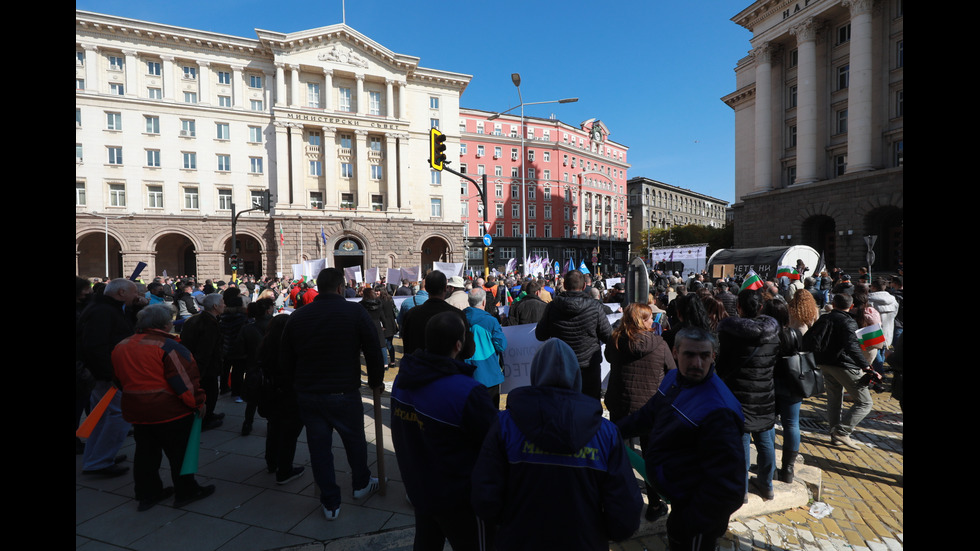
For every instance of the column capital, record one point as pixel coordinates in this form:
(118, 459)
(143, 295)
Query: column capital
(167, 58)
(132, 53)
(859, 7)
(361, 132)
(203, 63)
(292, 66)
(359, 77)
(765, 52)
(238, 67)
(806, 30)
(390, 81)
(90, 47)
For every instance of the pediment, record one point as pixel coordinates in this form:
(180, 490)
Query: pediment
(336, 47)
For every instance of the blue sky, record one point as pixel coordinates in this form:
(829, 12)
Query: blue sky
(652, 71)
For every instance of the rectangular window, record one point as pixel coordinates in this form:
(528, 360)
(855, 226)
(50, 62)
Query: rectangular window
(515, 172)
(498, 191)
(153, 68)
(154, 197)
(498, 170)
(79, 59)
(313, 94)
(497, 128)
(115, 155)
(313, 138)
(531, 173)
(530, 154)
(222, 131)
(840, 165)
(190, 198)
(532, 230)
(79, 83)
(224, 101)
(152, 124)
(497, 152)
(900, 103)
(343, 97)
(515, 210)
(316, 199)
(435, 178)
(255, 134)
(462, 168)
(546, 174)
(80, 194)
(154, 93)
(900, 53)
(377, 203)
(190, 160)
(153, 158)
(257, 198)
(190, 73)
(498, 230)
(345, 141)
(346, 170)
(435, 207)
(434, 123)
(374, 142)
(224, 199)
(113, 121)
(255, 165)
(515, 191)
(479, 127)
(347, 201)
(842, 121)
(500, 210)
(792, 136)
(117, 195)
(481, 169)
(376, 172)
(224, 77)
(531, 191)
(532, 211)
(843, 76)
(547, 212)
(115, 63)
(188, 128)
(254, 81)
(546, 156)
(513, 154)
(480, 151)
(792, 95)
(546, 136)
(78, 153)
(256, 105)
(843, 33)
(190, 97)
(898, 153)
(224, 163)
(316, 168)
(547, 192)
(433, 102)
(374, 103)
(515, 230)
(462, 148)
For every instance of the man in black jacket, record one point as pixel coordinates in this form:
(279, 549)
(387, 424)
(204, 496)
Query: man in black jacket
(321, 347)
(838, 352)
(202, 336)
(577, 318)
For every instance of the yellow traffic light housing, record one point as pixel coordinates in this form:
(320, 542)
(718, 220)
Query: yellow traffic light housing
(437, 149)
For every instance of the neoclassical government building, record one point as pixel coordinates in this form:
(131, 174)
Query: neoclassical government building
(819, 105)
(174, 127)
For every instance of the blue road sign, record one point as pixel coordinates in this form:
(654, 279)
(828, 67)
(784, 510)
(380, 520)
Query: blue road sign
(487, 239)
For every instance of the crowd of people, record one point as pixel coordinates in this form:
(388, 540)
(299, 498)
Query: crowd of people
(698, 374)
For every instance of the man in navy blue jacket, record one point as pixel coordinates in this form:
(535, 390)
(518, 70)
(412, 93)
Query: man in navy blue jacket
(440, 416)
(695, 457)
(553, 474)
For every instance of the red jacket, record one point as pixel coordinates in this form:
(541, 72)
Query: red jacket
(160, 379)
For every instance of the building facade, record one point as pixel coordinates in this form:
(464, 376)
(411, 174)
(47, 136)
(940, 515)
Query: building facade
(654, 204)
(176, 126)
(819, 111)
(575, 192)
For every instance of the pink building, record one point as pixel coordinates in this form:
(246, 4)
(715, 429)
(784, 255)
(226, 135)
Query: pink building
(575, 197)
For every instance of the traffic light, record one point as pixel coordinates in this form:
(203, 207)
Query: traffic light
(489, 256)
(437, 149)
(267, 202)
(234, 262)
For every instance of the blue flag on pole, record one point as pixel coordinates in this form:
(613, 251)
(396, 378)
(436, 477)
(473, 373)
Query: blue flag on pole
(571, 264)
(582, 268)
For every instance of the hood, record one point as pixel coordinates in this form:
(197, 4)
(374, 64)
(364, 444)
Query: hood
(371, 303)
(557, 420)
(750, 329)
(555, 365)
(883, 301)
(421, 368)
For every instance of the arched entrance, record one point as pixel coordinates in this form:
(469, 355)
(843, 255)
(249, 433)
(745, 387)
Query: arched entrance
(175, 255)
(349, 252)
(92, 256)
(249, 255)
(820, 233)
(434, 249)
(888, 224)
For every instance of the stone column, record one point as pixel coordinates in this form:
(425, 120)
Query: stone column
(267, 91)
(361, 166)
(391, 170)
(168, 77)
(280, 84)
(204, 82)
(328, 90)
(763, 116)
(402, 114)
(238, 87)
(91, 68)
(132, 80)
(284, 190)
(859, 104)
(300, 164)
(807, 147)
(295, 100)
(400, 178)
(389, 98)
(329, 148)
(359, 96)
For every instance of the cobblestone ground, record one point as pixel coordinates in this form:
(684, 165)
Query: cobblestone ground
(864, 487)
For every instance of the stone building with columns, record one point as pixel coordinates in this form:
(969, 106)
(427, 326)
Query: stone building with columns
(819, 104)
(177, 128)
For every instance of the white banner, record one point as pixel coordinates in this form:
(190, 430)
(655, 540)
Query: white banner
(521, 346)
(411, 274)
(371, 276)
(449, 268)
(394, 276)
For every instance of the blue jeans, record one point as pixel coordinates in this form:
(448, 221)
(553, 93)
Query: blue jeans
(322, 414)
(765, 446)
(789, 415)
(109, 434)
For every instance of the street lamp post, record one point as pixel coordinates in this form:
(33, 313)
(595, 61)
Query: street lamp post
(106, 219)
(516, 79)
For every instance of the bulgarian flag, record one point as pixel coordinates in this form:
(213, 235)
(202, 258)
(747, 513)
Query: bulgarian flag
(752, 281)
(787, 271)
(282, 236)
(870, 336)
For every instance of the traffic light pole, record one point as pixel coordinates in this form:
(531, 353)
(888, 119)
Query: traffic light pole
(482, 190)
(265, 207)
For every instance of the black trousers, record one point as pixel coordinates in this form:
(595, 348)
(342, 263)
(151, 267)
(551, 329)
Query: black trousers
(464, 530)
(280, 441)
(152, 441)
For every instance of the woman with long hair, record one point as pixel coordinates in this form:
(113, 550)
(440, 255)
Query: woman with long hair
(715, 309)
(787, 399)
(803, 311)
(638, 359)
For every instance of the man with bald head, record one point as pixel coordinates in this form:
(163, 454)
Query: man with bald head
(103, 324)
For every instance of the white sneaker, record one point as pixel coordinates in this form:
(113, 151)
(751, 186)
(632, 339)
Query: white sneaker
(331, 515)
(371, 487)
